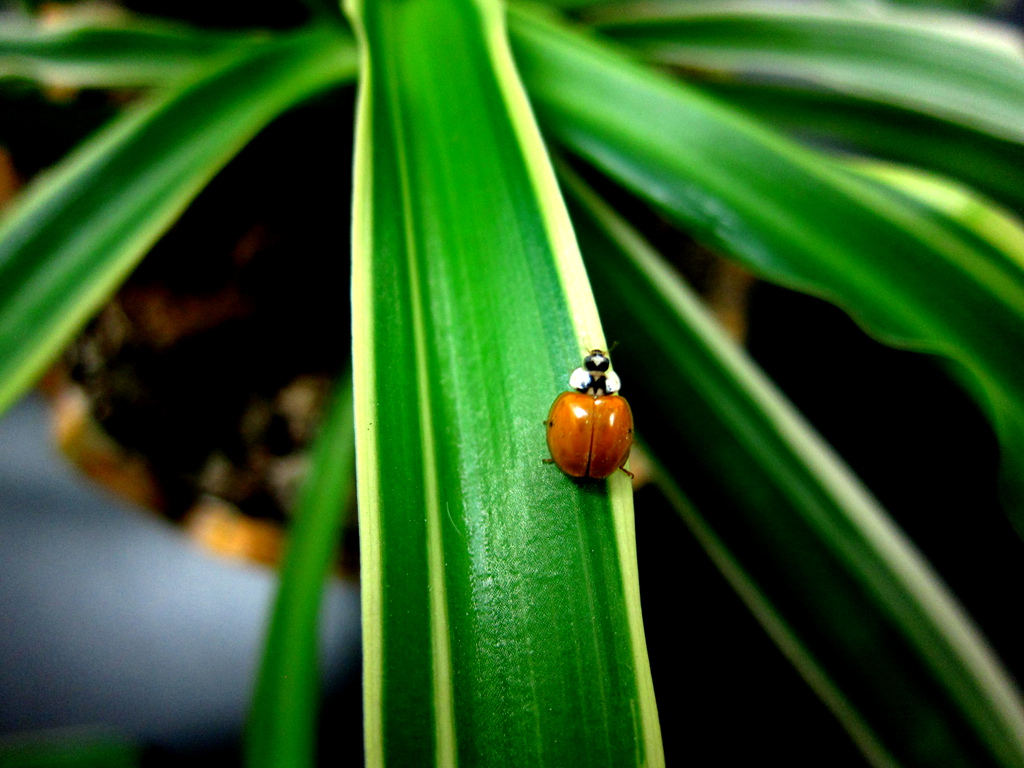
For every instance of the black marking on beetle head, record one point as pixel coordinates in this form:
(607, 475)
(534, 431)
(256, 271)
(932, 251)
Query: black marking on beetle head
(598, 386)
(592, 385)
(596, 361)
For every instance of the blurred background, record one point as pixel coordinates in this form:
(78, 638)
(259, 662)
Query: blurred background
(116, 628)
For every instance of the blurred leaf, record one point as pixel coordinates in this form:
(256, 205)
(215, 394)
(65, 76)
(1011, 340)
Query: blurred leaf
(790, 215)
(501, 616)
(282, 726)
(992, 165)
(80, 228)
(862, 4)
(132, 52)
(68, 748)
(959, 68)
(830, 577)
(975, 6)
(954, 204)
(325, 10)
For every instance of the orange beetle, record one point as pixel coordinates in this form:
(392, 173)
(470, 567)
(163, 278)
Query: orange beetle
(590, 430)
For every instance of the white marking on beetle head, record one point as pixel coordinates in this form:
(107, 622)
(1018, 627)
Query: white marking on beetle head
(580, 379)
(612, 384)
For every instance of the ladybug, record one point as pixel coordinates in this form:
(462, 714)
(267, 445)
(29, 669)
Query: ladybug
(590, 429)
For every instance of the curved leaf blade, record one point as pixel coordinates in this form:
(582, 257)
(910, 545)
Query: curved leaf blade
(132, 52)
(960, 209)
(79, 229)
(990, 164)
(976, 6)
(790, 215)
(959, 68)
(282, 726)
(69, 748)
(833, 581)
(500, 610)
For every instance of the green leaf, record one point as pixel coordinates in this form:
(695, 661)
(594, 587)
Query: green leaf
(833, 581)
(962, 215)
(789, 214)
(282, 725)
(868, 5)
(959, 68)
(69, 748)
(992, 165)
(975, 6)
(132, 52)
(81, 228)
(501, 615)
(953, 205)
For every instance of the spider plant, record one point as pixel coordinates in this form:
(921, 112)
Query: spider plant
(501, 611)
